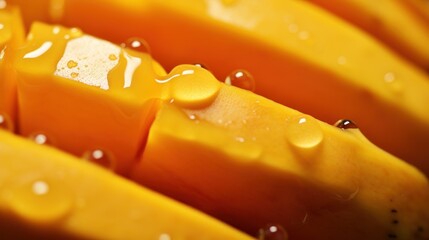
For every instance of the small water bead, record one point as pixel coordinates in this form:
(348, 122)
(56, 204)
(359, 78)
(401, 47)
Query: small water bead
(42, 200)
(242, 79)
(273, 232)
(136, 44)
(304, 132)
(345, 124)
(392, 82)
(40, 139)
(164, 236)
(5, 123)
(101, 158)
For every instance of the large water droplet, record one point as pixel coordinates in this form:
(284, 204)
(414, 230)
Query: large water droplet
(136, 44)
(242, 79)
(6, 123)
(41, 200)
(273, 232)
(101, 158)
(304, 132)
(346, 124)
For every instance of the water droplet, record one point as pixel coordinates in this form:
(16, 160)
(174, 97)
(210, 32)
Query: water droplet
(40, 139)
(192, 116)
(41, 200)
(164, 236)
(6, 123)
(56, 30)
(242, 79)
(74, 74)
(136, 44)
(191, 86)
(341, 60)
(101, 158)
(273, 232)
(240, 139)
(392, 82)
(304, 132)
(112, 57)
(293, 28)
(303, 35)
(3, 4)
(346, 124)
(71, 64)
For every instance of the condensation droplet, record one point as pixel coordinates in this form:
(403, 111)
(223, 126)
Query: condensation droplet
(40, 139)
(164, 236)
(392, 82)
(341, 60)
(5, 122)
(303, 35)
(41, 199)
(242, 79)
(273, 232)
(101, 158)
(304, 132)
(293, 28)
(71, 64)
(136, 44)
(346, 124)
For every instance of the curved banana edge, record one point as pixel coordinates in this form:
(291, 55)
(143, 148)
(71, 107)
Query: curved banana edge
(250, 161)
(330, 70)
(393, 24)
(47, 194)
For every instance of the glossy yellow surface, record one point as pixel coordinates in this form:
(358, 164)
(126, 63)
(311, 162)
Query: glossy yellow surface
(247, 161)
(96, 95)
(11, 36)
(300, 56)
(389, 21)
(47, 194)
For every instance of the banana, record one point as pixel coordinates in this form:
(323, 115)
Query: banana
(247, 161)
(11, 37)
(393, 24)
(47, 194)
(299, 55)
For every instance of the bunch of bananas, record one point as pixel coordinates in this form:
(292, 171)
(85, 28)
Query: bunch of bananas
(214, 119)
